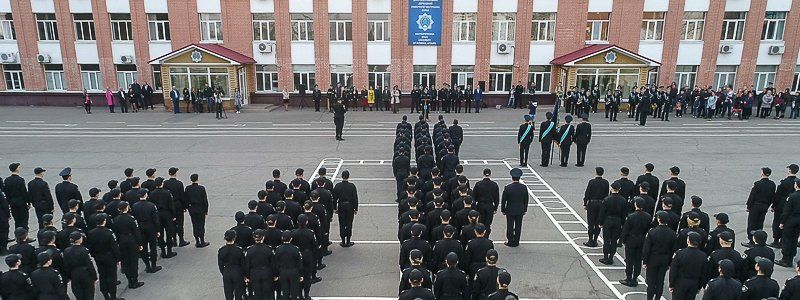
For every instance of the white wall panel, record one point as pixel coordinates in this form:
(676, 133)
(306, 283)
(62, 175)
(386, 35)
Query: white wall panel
(379, 6)
(467, 6)
(5, 6)
(340, 6)
(119, 49)
(302, 53)
(764, 58)
(696, 5)
(425, 55)
(341, 53)
(87, 53)
(262, 6)
(379, 53)
(504, 6)
(657, 5)
(501, 59)
(208, 6)
(601, 5)
(53, 49)
(9, 47)
(545, 5)
(156, 6)
(118, 6)
(738, 5)
(651, 50)
(689, 53)
(264, 58)
(463, 54)
(301, 6)
(779, 5)
(733, 58)
(542, 53)
(80, 6)
(43, 6)
(157, 49)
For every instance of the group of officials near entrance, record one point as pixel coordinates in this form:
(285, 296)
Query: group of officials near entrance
(673, 234)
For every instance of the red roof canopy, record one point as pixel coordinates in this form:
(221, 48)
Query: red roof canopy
(594, 49)
(215, 49)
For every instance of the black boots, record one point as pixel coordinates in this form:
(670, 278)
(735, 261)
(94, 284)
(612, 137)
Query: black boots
(200, 242)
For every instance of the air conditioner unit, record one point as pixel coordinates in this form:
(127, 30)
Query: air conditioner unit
(503, 48)
(725, 49)
(126, 59)
(43, 58)
(266, 47)
(8, 57)
(776, 50)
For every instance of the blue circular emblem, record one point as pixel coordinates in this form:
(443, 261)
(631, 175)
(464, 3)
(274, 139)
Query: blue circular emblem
(197, 56)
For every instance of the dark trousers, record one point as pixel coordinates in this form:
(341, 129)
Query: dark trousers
(148, 101)
(633, 261)
(129, 251)
(791, 231)
(656, 270)
(290, 284)
(612, 113)
(777, 232)
(524, 148)
(346, 223)
(179, 224)
(198, 225)
(665, 114)
(176, 106)
(233, 283)
(4, 233)
(612, 228)
(631, 110)
(167, 237)
(316, 104)
(111, 108)
(546, 147)
(513, 229)
(219, 110)
(468, 106)
(20, 214)
(593, 219)
(401, 186)
(685, 289)
(149, 252)
(261, 284)
(107, 275)
(487, 214)
(755, 219)
(82, 285)
(581, 153)
(339, 122)
(414, 105)
(565, 153)
(642, 119)
(87, 107)
(39, 214)
(123, 106)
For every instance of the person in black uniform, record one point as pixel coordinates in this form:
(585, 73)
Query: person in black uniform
(583, 135)
(751, 255)
(41, 198)
(165, 204)
(613, 212)
(791, 289)
(197, 205)
(62, 238)
(659, 245)
(649, 178)
(643, 109)
(103, 246)
(47, 244)
(400, 169)
(784, 188)
(761, 196)
(713, 241)
(547, 133)
(5, 217)
(306, 242)
(502, 293)
(126, 184)
(127, 231)
(687, 270)
(680, 185)
(17, 194)
(66, 190)
(15, 282)
(132, 195)
(485, 282)
(726, 286)
(417, 291)
(451, 283)
(46, 281)
(456, 135)
(24, 250)
(596, 191)
(633, 231)
(176, 188)
(487, 198)
(150, 183)
(524, 139)
(565, 136)
(345, 199)
(761, 286)
(338, 118)
(790, 224)
(317, 96)
(230, 259)
(258, 262)
(514, 205)
(726, 252)
(79, 268)
(146, 215)
(288, 264)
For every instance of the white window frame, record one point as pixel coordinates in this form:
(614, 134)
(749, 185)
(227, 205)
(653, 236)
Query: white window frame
(796, 82)
(341, 30)
(126, 78)
(463, 78)
(685, 78)
(379, 31)
(345, 78)
(92, 80)
(597, 29)
(7, 31)
(158, 28)
(263, 28)
(652, 77)
(84, 28)
(46, 29)
(379, 79)
(121, 29)
(306, 77)
(266, 78)
(302, 29)
(724, 78)
(693, 28)
(158, 81)
(14, 79)
(424, 78)
(761, 78)
(774, 26)
(733, 29)
(653, 28)
(211, 28)
(497, 81)
(54, 79)
(464, 29)
(504, 27)
(543, 30)
(541, 80)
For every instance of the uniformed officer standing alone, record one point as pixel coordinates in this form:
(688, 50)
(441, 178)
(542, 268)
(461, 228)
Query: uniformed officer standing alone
(345, 198)
(338, 118)
(197, 204)
(514, 205)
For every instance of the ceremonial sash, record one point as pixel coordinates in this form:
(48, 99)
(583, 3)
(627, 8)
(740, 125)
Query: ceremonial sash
(524, 135)
(564, 136)
(548, 130)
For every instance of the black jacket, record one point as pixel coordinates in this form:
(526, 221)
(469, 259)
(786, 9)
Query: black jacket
(515, 199)
(596, 189)
(345, 196)
(196, 199)
(583, 133)
(176, 188)
(66, 191)
(41, 198)
(763, 193)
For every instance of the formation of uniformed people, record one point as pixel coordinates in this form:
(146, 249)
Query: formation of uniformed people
(129, 222)
(666, 235)
(563, 136)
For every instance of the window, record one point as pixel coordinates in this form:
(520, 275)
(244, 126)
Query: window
(424, 75)
(47, 27)
(543, 27)
(539, 78)
(158, 83)
(774, 23)
(733, 26)
(464, 27)
(693, 22)
(652, 77)
(341, 27)
(764, 77)
(796, 81)
(462, 75)
(302, 27)
(7, 27)
(503, 27)
(304, 74)
(54, 77)
(652, 26)
(597, 26)
(379, 76)
(266, 78)
(210, 28)
(91, 77)
(13, 74)
(158, 24)
(685, 76)
(263, 27)
(724, 75)
(84, 27)
(197, 78)
(499, 78)
(121, 29)
(126, 74)
(378, 29)
(341, 74)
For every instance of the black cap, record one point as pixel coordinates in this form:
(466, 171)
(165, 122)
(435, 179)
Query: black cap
(13, 166)
(94, 192)
(142, 192)
(74, 236)
(760, 236)
(230, 235)
(694, 238)
(492, 255)
(13, 259)
(172, 170)
(722, 217)
(726, 236)
(504, 278)
(616, 185)
(516, 173)
(159, 181)
(239, 216)
(452, 258)
(415, 254)
(764, 264)
(43, 258)
(259, 233)
(150, 172)
(66, 172)
(128, 172)
(793, 168)
(20, 232)
(38, 170)
(415, 276)
(47, 218)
